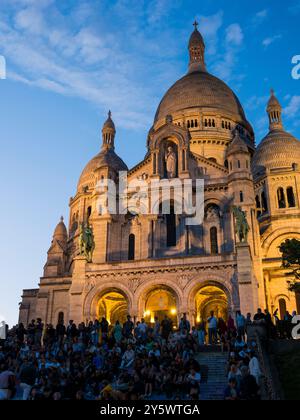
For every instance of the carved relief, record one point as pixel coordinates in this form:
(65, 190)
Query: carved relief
(90, 284)
(133, 284)
(183, 281)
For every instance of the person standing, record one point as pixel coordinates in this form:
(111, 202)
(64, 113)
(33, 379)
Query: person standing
(39, 327)
(166, 328)
(201, 334)
(241, 324)
(104, 327)
(128, 327)
(117, 332)
(184, 325)
(212, 328)
(156, 328)
(7, 383)
(60, 332)
(254, 367)
(28, 375)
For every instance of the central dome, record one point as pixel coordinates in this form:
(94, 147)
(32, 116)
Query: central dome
(200, 90)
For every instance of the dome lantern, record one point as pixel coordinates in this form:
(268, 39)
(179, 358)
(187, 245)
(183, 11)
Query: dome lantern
(108, 133)
(197, 50)
(274, 111)
(60, 232)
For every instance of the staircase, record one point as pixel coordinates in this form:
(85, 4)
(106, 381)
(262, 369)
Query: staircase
(213, 373)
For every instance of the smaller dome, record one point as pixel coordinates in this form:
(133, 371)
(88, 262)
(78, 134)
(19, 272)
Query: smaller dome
(273, 101)
(195, 39)
(278, 149)
(106, 158)
(237, 145)
(60, 232)
(109, 122)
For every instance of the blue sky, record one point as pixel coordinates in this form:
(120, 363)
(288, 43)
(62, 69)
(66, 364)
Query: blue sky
(68, 62)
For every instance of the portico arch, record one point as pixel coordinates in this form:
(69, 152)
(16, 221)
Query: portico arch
(226, 297)
(159, 299)
(98, 299)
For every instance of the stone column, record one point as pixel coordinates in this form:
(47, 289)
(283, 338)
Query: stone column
(42, 305)
(246, 279)
(100, 230)
(77, 288)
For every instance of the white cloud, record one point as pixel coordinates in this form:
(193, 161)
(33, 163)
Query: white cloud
(234, 35)
(233, 44)
(293, 107)
(256, 101)
(158, 9)
(30, 19)
(270, 40)
(209, 27)
(92, 62)
(260, 16)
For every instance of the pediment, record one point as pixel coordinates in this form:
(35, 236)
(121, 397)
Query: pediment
(209, 166)
(55, 247)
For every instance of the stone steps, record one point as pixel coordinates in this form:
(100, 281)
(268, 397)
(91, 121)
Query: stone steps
(213, 372)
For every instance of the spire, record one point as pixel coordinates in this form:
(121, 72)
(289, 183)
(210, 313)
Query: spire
(60, 232)
(108, 133)
(197, 50)
(237, 146)
(274, 111)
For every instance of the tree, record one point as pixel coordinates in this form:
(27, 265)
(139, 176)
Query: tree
(290, 250)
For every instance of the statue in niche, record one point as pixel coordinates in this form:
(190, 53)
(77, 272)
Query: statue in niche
(212, 213)
(171, 162)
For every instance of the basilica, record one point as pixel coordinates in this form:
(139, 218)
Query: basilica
(152, 265)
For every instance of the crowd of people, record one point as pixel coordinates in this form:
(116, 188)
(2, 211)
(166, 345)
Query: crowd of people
(125, 362)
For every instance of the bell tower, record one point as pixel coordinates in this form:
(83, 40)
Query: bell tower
(196, 50)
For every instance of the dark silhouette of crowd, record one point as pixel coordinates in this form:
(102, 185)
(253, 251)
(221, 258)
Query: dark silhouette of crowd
(98, 361)
(128, 361)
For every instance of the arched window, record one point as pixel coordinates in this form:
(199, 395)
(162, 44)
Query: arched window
(226, 164)
(290, 197)
(89, 212)
(281, 198)
(264, 203)
(241, 196)
(171, 228)
(282, 308)
(131, 247)
(239, 164)
(61, 318)
(258, 205)
(214, 249)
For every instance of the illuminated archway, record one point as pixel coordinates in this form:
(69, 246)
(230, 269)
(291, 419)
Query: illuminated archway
(211, 298)
(160, 301)
(113, 306)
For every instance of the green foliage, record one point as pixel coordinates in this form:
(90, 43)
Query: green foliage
(290, 250)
